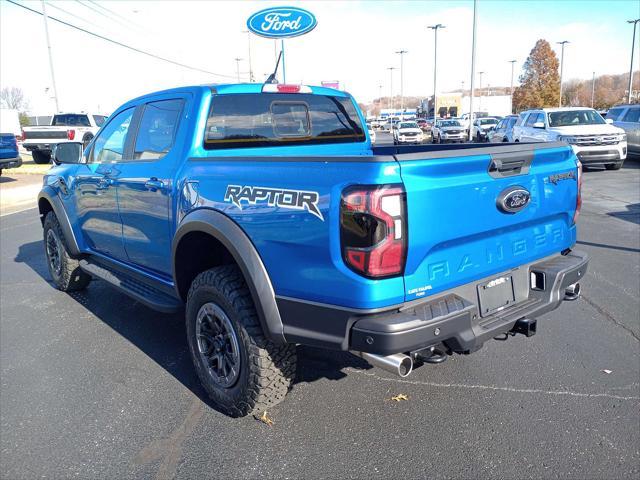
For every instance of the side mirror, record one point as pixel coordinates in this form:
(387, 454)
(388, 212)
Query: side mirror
(68, 152)
(609, 120)
(538, 125)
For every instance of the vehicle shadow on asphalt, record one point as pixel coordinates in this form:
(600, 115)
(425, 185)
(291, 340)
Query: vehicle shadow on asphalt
(631, 214)
(162, 336)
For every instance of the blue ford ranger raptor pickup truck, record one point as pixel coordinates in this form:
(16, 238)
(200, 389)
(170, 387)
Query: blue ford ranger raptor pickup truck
(265, 213)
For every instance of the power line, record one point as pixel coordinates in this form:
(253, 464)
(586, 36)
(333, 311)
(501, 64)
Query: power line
(51, 4)
(114, 13)
(122, 44)
(111, 16)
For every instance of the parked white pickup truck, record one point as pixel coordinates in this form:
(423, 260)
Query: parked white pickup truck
(65, 127)
(594, 140)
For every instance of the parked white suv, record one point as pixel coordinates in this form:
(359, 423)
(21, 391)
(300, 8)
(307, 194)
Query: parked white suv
(594, 140)
(407, 132)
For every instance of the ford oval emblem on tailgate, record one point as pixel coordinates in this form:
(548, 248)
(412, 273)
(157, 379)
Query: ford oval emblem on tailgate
(513, 199)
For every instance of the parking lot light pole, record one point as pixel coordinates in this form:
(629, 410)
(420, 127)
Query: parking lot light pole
(401, 53)
(380, 95)
(238, 67)
(53, 77)
(563, 43)
(435, 66)
(633, 44)
(391, 69)
(512, 62)
(593, 88)
(473, 66)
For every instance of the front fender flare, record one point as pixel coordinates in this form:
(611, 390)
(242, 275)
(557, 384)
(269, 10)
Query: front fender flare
(227, 232)
(50, 195)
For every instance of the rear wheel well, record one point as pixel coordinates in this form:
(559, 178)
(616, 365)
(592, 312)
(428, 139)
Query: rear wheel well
(197, 252)
(44, 207)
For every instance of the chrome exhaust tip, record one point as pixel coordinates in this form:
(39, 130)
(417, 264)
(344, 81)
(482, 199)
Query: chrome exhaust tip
(398, 363)
(572, 292)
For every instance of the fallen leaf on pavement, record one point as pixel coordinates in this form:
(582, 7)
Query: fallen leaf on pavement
(399, 397)
(265, 419)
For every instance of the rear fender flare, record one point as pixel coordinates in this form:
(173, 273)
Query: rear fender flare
(235, 240)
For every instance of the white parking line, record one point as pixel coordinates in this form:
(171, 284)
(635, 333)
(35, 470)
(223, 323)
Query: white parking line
(19, 211)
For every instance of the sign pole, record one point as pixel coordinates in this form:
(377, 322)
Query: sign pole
(284, 70)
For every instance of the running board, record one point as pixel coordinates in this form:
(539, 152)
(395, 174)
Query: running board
(138, 290)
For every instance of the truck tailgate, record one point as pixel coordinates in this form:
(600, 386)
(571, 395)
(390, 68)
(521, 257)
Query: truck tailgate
(459, 232)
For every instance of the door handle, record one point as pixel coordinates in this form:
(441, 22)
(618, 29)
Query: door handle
(154, 184)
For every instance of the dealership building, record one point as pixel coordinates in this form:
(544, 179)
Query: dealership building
(455, 104)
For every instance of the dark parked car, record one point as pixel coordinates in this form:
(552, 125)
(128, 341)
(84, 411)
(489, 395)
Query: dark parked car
(9, 156)
(504, 130)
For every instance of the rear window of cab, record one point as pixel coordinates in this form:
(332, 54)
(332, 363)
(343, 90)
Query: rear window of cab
(272, 119)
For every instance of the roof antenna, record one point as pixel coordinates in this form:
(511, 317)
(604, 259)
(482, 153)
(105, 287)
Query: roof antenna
(272, 78)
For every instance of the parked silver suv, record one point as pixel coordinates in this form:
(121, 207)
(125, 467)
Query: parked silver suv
(627, 117)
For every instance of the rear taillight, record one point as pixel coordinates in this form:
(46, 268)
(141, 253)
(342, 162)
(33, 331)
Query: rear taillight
(373, 230)
(71, 134)
(579, 197)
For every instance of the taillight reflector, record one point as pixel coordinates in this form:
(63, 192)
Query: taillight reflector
(579, 197)
(71, 134)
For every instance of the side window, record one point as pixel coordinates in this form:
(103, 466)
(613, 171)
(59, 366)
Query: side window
(633, 115)
(614, 113)
(533, 118)
(99, 119)
(500, 125)
(157, 130)
(521, 119)
(109, 145)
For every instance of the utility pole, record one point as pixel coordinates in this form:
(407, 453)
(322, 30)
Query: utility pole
(480, 89)
(238, 67)
(435, 66)
(391, 69)
(473, 66)
(251, 78)
(53, 77)
(512, 62)
(563, 43)
(380, 95)
(401, 53)
(633, 43)
(593, 88)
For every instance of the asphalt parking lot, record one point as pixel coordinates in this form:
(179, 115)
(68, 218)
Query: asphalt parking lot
(94, 385)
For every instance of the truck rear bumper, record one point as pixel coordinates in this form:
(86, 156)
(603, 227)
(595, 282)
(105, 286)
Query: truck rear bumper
(452, 318)
(10, 162)
(41, 147)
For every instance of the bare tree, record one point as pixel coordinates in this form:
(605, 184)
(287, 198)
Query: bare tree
(13, 97)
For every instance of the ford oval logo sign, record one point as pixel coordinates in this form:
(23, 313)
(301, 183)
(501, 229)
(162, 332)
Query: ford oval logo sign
(281, 22)
(513, 199)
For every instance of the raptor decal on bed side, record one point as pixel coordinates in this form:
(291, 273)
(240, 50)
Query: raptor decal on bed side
(274, 197)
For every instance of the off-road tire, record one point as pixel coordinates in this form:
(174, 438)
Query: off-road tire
(70, 277)
(41, 158)
(266, 370)
(614, 166)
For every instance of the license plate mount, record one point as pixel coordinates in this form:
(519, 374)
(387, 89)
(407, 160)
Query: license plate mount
(496, 295)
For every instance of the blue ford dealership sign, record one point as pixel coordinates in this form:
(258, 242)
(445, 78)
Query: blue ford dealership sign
(281, 22)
